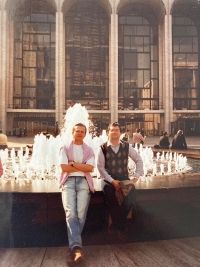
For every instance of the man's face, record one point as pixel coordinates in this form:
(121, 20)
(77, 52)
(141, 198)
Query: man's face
(114, 133)
(79, 133)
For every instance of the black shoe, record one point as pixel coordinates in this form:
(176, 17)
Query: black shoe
(74, 256)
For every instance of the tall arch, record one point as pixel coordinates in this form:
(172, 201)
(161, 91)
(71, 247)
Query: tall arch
(157, 6)
(175, 3)
(11, 6)
(105, 4)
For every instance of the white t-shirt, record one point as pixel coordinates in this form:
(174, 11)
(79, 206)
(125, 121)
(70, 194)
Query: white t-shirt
(78, 157)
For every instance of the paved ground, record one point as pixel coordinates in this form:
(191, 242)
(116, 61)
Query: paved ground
(192, 141)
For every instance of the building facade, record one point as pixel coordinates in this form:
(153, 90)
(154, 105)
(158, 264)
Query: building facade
(132, 61)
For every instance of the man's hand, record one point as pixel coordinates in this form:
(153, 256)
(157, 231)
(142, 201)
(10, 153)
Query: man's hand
(116, 185)
(134, 180)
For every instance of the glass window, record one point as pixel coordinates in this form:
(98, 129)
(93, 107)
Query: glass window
(146, 79)
(185, 44)
(130, 60)
(176, 42)
(33, 58)
(143, 61)
(143, 30)
(130, 30)
(185, 57)
(18, 67)
(87, 60)
(138, 67)
(17, 86)
(195, 44)
(127, 43)
(137, 43)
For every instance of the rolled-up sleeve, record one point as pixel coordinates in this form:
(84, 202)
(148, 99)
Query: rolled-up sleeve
(138, 161)
(101, 166)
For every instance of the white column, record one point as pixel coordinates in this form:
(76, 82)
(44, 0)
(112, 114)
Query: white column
(3, 55)
(60, 70)
(161, 60)
(170, 71)
(167, 73)
(113, 68)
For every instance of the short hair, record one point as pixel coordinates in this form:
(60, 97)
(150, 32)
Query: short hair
(137, 130)
(180, 132)
(127, 130)
(79, 124)
(164, 133)
(0, 131)
(114, 124)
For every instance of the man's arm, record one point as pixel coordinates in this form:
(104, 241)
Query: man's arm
(101, 166)
(77, 167)
(66, 165)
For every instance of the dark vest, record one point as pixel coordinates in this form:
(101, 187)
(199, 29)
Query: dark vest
(116, 164)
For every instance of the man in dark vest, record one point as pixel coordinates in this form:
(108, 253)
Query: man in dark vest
(112, 164)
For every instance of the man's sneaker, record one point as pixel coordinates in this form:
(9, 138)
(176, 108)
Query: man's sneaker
(74, 256)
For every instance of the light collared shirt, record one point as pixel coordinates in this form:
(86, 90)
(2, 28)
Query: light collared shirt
(132, 154)
(137, 138)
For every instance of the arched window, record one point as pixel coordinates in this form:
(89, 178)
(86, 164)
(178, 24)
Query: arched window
(87, 39)
(138, 58)
(34, 55)
(186, 19)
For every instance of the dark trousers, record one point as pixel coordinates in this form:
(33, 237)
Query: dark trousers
(117, 212)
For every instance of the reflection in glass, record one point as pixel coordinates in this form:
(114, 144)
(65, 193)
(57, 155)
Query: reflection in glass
(34, 50)
(150, 122)
(138, 58)
(185, 58)
(87, 37)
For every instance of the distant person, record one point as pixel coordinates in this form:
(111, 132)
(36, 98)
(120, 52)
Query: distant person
(17, 132)
(143, 134)
(3, 140)
(138, 138)
(164, 141)
(20, 131)
(14, 131)
(24, 132)
(179, 141)
(125, 136)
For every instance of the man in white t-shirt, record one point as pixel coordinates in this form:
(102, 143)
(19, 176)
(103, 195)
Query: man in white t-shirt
(77, 161)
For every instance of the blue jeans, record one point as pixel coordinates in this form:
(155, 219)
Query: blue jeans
(75, 199)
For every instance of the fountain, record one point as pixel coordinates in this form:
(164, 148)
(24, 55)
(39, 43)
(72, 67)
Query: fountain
(30, 193)
(43, 164)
